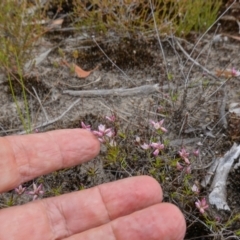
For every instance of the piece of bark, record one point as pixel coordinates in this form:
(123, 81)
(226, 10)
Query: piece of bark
(218, 195)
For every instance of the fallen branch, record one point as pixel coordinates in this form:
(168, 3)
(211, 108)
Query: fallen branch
(121, 92)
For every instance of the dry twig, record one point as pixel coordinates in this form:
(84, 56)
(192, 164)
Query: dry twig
(40, 103)
(53, 120)
(197, 63)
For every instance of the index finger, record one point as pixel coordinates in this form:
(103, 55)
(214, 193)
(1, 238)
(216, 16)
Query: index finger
(29, 156)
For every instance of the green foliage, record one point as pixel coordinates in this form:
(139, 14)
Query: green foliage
(237, 233)
(122, 135)
(92, 171)
(112, 154)
(56, 191)
(196, 15)
(81, 187)
(19, 31)
(170, 76)
(232, 220)
(10, 201)
(174, 96)
(179, 17)
(158, 163)
(212, 223)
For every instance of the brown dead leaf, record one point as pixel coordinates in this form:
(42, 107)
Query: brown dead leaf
(55, 24)
(227, 73)
(79, 71)
(224, 73)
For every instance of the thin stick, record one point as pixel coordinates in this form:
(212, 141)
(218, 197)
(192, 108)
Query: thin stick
(129, 114)
(220, 86)
(40, 103)
(197, 63)
(55, 119)
(222, 108)
(190, 69)
(209, 29)
(185, 120)
(126, 76)
(210, 45)
(158, 37)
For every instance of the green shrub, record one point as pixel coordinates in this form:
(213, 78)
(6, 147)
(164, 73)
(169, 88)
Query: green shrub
(19, 30)
(179, 17)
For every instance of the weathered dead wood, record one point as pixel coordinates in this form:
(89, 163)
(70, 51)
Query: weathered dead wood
(218, 195)
(121, 92)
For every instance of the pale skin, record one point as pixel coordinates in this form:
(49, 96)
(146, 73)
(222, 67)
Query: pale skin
(127, 209)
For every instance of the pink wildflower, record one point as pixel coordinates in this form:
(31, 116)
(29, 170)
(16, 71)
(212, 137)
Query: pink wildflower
(112, 143)
(158, 147)
(111, 118)
(202, 205)
(235, 73)
(145, 146)
(196, 152)
(188, 169)
(20, 190)
(184, 155)
(218, 218)
(37, 191)
(195, 188)
(110, 134)
(102, 131)
(137, 139)
(158, 125)
(84, 126)
(102, 140)
(179, 166)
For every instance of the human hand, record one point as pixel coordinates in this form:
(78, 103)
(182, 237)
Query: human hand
(126, 209)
